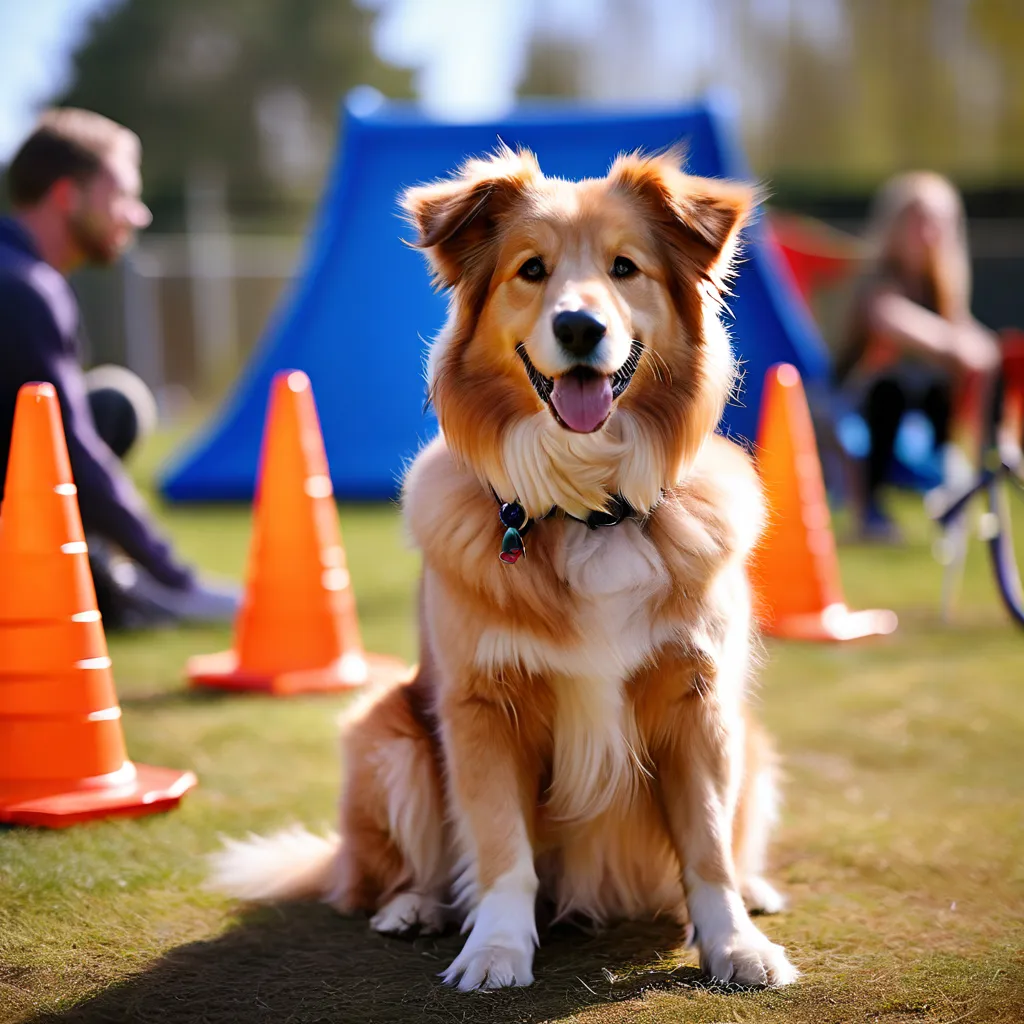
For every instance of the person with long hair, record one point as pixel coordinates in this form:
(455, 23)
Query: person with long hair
(911, 341)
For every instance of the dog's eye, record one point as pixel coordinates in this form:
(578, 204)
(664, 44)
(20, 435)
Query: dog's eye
(533, 269)
(623, 267)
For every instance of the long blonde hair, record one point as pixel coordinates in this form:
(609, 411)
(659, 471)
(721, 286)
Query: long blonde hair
(948, 270)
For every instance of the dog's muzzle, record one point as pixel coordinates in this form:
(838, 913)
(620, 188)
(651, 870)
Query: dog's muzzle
(620, 379)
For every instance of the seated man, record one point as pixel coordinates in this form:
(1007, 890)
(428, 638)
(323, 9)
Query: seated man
(74, 187)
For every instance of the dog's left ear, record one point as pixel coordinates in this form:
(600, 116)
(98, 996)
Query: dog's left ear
(698, 219)
(456, 219)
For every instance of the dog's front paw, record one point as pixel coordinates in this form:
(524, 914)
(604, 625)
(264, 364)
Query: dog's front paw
(499, 950)
(405, 911)
(746, 957)
(490, 966)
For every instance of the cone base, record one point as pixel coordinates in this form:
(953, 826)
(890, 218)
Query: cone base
(222, 672)
(834, 623)
(147, 791)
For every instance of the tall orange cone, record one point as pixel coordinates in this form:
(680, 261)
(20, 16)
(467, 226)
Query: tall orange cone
(62, 753)
(795, 570)
(297, 630)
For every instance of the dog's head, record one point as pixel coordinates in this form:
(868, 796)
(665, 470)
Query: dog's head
(584, 355)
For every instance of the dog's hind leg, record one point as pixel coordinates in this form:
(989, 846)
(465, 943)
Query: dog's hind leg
(756, 816)
(389, 858)
(393, 860)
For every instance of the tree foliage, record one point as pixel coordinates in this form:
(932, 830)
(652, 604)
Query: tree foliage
(839, 93)
(250, 88)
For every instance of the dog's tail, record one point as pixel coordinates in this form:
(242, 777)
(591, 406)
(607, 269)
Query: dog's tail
(293, 864)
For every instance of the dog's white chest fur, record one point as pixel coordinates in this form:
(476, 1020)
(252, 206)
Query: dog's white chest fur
(616, 576)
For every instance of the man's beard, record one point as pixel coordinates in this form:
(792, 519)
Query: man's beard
(98, 246)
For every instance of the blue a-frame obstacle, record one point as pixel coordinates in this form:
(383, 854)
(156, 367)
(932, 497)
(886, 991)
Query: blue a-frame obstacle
(361, 308)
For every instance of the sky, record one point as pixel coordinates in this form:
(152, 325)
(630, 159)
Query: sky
(36, 40)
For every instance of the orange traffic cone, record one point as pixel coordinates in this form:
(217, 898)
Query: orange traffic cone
(795, 570)
(297, 630)
(62, 753)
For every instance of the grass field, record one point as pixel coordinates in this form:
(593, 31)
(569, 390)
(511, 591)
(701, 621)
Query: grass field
(902, 845)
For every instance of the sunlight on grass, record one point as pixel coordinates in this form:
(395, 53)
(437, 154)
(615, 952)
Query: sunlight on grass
(901, 846)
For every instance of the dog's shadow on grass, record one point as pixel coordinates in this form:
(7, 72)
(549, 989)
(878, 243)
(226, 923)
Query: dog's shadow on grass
(305, 963)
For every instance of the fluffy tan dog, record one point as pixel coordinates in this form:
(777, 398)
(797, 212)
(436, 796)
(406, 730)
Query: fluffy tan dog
(578, 726)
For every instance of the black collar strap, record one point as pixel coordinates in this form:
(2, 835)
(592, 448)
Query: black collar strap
(517, 524)
(618, 509)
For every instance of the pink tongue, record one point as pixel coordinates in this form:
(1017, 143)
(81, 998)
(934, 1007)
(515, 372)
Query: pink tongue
(582, 402)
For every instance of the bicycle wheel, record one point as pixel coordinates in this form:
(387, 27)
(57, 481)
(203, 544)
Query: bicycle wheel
(1006, 503)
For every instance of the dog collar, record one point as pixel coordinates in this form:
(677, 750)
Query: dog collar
(517, 524)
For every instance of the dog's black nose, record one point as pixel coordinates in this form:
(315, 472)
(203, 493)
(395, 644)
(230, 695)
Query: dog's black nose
(578, 331)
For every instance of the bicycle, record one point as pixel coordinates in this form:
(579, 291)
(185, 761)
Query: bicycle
(1002, 473)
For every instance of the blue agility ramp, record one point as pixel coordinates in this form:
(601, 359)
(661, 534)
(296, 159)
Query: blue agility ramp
(357, 319)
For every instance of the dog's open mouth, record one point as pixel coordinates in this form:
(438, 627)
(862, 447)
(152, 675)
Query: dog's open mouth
(581, 400)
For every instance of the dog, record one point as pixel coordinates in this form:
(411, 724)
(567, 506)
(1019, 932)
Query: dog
(578, 729)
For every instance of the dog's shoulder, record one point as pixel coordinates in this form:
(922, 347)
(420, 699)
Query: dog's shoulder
(443, 502)
(726, 479)
(715, 514)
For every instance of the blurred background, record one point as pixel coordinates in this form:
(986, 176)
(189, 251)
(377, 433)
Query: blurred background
(237, 103)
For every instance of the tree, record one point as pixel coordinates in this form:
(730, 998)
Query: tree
(842, 92)
(249, 87)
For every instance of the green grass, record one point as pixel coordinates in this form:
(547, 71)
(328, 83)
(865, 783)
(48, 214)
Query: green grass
(902, 844)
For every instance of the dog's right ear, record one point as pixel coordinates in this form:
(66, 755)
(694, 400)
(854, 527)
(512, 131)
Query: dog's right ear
(456, 219)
